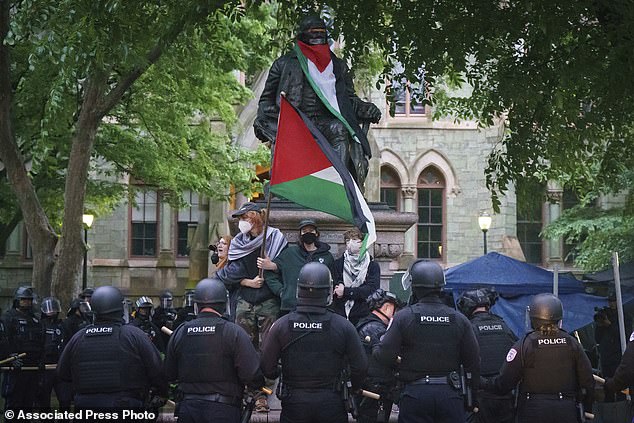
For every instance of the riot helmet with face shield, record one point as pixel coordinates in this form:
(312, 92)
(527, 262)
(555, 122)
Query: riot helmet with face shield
(50, 307)
(166, 299)
(188, 299)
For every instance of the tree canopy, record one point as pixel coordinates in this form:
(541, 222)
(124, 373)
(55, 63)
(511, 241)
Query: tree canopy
(92, 93)
(559, 72)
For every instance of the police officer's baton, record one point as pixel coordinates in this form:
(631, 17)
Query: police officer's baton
(46, 367)
(369, 394)
(601, 381)
(12, 358)
(167, 330)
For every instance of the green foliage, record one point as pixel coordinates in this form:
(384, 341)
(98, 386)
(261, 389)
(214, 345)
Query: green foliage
(172, 128)
(558, 73)
(598, 232)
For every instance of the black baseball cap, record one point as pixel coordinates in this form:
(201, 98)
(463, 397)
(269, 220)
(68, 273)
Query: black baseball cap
(246, 207)
(306, 222)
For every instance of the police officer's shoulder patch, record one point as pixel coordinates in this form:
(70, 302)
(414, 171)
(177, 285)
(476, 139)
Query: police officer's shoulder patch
(511, 355)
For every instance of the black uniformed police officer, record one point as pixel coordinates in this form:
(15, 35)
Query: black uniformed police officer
(495, 339)
(165, 314)
(550, 366)
(186, 312)
(433, 341)
(624, 374)
(24, 335)
(76, 317)
(54, 341)
(143, 320)
(381, 379)
(212, 360)
(111, 366)
(315, 346)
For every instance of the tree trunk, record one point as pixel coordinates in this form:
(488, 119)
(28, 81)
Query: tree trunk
(41, 234)
(68, 271)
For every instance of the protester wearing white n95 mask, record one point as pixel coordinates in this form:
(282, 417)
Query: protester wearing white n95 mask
(356, 277)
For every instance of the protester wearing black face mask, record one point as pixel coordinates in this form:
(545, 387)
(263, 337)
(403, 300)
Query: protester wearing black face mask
(281, 274)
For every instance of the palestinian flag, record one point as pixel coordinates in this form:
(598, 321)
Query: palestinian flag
(307, 171)
(317, 66)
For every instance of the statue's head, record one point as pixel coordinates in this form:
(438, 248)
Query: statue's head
(312, 30)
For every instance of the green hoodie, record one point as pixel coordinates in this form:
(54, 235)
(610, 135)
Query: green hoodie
(289, 262)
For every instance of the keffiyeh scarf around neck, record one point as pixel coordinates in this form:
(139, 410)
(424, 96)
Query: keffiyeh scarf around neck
(242, 245)
(355, 269)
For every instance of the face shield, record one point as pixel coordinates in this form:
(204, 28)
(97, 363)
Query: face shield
(188, 300)
(84, 308)
(167, 302)
(127, 305)
(50, 306)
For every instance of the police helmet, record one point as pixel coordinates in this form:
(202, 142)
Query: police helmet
(314, 275)
(166, 298)
(106, 300)
(211, 291)
(314, 285)
(470, 300)
(87, 293)
(188, 299)
(427, 274)
(144, 302)
(545, 309)
(379, 297)
(24, 293)
(50, 306)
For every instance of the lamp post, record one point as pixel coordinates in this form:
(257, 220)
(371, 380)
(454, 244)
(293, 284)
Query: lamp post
(87, 219)
(484, 220)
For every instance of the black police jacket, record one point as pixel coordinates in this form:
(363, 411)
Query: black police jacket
(24, 335)
(371, 329)
(209, 355)
(546, 364)
(315, 346)
(109, 357)
(495, 339)
(432, 339)
(54, 339)
(624, 374)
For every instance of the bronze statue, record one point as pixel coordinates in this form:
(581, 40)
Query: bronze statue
(319, 84)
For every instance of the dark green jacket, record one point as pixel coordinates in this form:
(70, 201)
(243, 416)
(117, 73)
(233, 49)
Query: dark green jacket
(283, 283)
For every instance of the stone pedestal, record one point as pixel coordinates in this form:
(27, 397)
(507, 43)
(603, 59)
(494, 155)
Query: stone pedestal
(391, 227)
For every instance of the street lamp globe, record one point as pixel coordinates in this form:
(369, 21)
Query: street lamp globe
(484, 220)
(87, 219)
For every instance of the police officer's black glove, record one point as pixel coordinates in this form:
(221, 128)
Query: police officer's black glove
(17, 363)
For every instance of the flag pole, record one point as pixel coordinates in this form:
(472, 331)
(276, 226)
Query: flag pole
(619, 299)
(268, 206)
